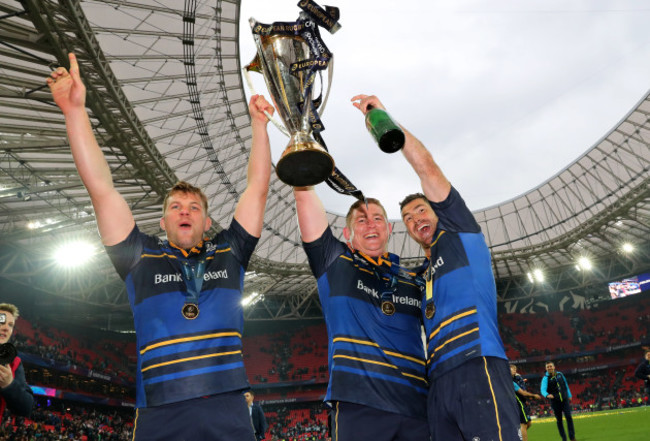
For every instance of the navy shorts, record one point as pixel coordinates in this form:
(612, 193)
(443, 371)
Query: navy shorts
(523, 411)
(474, 401)
(222, 417)
(355, 422)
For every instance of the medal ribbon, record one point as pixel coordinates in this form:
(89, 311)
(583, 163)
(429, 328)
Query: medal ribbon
(382, 269)
(192, 275)
(428, 277)
(426, 284)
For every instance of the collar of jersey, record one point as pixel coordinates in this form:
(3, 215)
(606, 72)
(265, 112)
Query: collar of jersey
(194, 251)
(384, 259)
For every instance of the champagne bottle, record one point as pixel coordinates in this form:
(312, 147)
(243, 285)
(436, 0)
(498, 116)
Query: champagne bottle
(387, 133)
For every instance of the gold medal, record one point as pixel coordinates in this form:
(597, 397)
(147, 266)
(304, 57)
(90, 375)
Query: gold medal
(430, 310)
(190, 311)
(387, 307)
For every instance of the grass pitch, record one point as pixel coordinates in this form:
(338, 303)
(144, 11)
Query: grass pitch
(612, 425)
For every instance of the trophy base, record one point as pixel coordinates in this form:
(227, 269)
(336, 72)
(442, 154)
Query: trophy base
(305, 166)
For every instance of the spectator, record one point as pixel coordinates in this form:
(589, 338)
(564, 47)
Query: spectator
(556, 388)
(257, 416)
(15, 393)
(642, 371)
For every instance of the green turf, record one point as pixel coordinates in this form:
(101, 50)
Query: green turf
(612, 425)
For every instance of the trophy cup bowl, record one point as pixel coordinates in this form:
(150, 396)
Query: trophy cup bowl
(304, 161)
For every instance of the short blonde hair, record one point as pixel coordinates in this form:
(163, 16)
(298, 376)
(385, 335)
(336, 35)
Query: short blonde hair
(358, 204)
(8, 307)
(186, 187)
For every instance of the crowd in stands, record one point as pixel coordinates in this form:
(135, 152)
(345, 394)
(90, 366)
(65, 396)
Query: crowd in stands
(61, 348)
(287, 356)
(605, 340)
(610, 323)
(67, 421)
(297, 423)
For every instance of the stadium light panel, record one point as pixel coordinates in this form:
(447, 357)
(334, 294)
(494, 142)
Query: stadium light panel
(252, 299)
(584, 263)
(74, 254)
(627, 247)
(536, 276)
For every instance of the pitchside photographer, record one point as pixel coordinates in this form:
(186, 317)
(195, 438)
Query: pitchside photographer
(15, 394)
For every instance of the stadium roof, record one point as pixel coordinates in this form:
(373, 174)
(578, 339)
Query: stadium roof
(167, 103)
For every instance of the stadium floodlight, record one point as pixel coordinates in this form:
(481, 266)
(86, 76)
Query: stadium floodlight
(74, 254)
(33, 225)
(252, 299)
(536, 276)
(627, 247)
(584, 263)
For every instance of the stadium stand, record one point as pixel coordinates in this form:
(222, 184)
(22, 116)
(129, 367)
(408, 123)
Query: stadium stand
(597, 348)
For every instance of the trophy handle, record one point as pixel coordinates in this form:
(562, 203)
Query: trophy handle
(330, 74)
(249, 83)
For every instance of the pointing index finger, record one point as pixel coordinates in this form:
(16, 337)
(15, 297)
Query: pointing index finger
(74, 65)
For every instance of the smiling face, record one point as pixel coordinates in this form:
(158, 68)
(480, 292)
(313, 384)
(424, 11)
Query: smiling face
(368, 230)
(7, 323)
(185, 219)
(421, 221)
(550, 368)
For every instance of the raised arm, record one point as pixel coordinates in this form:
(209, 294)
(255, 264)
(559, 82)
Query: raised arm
(312, 218)
(435, 185)
(114, 218)
(250, 208)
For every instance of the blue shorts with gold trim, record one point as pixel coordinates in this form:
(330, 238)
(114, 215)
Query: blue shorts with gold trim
(217, 417)
(474, 401)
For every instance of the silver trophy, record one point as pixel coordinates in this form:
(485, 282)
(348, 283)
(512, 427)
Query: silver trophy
(280, 59)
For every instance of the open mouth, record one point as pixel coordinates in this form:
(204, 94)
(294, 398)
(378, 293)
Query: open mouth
(372, 236)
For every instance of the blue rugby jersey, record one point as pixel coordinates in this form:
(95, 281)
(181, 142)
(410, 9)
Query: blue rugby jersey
(464, 325)
(181, 359)
(374, 359)
(521, 384)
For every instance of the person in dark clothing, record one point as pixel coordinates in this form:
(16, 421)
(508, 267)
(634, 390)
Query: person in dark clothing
(15, 393)
(522, 395)
(556, 388)
(642, 371)
(257, 416)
